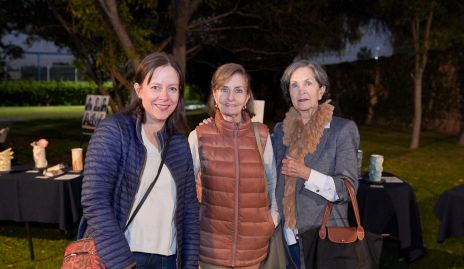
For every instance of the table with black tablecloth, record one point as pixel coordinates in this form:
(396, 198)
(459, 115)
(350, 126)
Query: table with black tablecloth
(390, 208)
(450, 210)
(25, 198)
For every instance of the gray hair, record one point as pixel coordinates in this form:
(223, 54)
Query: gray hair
(319, 73)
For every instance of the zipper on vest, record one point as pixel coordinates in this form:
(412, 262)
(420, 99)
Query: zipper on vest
(237, 186)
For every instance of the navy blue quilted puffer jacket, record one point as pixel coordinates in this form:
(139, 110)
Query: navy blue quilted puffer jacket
(113, 168)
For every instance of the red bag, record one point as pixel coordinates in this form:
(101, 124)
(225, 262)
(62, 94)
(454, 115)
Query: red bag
(82, 254)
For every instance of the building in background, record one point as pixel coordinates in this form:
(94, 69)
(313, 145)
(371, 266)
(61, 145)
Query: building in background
(41, 60)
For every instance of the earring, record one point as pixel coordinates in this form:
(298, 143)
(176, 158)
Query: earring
(244, 107)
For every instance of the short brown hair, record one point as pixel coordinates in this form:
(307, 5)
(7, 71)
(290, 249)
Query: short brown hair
(221, 76)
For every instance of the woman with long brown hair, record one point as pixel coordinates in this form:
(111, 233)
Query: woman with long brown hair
(125, 154)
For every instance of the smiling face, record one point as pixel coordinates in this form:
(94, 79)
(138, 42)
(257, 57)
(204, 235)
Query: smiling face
(305, 91)
(231, 97)
(160, 95)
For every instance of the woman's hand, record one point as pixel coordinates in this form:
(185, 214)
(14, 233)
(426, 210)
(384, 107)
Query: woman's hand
(293, 168)
(205, 121)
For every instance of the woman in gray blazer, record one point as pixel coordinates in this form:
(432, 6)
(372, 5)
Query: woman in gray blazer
(314, 152)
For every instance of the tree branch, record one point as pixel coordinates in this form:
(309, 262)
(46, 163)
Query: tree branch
(225, 28)
(415, 27)
(207, 63)
(194, 49)
(121, 78)
(262, 52)
(193, 5)
(81, 51)
(111, 9)
(215, 18)
(163, 44)
(247, 15)
(427, 37)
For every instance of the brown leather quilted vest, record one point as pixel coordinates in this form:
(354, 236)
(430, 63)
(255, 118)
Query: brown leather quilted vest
(235, 223)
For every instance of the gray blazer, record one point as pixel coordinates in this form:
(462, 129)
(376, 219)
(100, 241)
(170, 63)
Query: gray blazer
(335, 156)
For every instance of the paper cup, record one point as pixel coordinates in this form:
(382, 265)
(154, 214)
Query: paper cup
(77, 164)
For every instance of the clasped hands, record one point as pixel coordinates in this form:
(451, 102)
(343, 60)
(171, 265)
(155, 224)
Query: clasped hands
(293, 168)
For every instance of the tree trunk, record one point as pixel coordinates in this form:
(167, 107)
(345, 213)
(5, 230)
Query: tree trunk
(184, 10)
(421, 51)
(180, 37)
(461, 136)
(373, 96)
(111, 10)
(417, 121)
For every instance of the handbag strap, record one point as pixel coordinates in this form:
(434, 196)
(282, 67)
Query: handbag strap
(163, 155)
(354, 201)
(328, 210)
(258, 140)
(261, 154)
(260, 149)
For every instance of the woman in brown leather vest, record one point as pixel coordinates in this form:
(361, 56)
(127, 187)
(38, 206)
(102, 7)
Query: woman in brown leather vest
(238, 211)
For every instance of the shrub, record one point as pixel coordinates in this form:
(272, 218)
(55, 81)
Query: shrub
(36, 93)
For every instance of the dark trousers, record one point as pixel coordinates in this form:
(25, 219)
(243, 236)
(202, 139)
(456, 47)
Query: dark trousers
(154, 261)
(295, 255)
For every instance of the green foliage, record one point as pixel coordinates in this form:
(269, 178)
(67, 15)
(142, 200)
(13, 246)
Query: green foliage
(192, 93)
(93, 28)
(27, 93)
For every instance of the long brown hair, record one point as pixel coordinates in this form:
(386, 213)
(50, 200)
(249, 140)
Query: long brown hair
(221, 76)
(177, 122)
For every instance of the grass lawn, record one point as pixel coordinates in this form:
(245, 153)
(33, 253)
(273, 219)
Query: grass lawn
(40, 112)
(430, 170)
(435, 167)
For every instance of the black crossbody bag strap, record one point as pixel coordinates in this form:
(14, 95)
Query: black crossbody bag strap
(163, 155)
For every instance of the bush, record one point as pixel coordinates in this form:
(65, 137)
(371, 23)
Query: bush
(37, 93)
